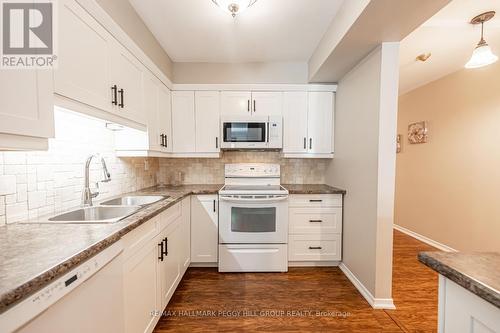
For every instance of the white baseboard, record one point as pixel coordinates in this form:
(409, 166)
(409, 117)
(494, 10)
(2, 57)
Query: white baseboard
(203, 264)
(424, 239)
(313, 263)
(376, 303)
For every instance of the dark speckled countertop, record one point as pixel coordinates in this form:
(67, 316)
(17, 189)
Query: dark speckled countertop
(33, 255)
(312, 189)
(477, 272)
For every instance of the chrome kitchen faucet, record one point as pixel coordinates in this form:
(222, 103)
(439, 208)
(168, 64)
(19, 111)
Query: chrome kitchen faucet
(87, 194)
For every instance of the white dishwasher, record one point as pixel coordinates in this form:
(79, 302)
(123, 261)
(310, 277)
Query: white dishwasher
(89, 298)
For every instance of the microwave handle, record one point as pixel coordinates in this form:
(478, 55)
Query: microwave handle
(270, 200)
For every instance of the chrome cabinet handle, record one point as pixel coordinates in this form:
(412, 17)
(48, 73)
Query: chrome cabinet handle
(314, 247)
(314, 221)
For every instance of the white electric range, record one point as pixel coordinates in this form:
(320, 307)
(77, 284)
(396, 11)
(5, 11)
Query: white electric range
(253, 219)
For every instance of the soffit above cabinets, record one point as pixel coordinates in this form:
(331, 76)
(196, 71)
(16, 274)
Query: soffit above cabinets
(269, 31)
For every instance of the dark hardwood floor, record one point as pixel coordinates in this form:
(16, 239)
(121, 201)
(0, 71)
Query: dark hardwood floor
(303, 300)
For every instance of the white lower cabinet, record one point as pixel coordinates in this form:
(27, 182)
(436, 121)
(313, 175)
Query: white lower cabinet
(156, 255)
(204, 228)
(140, 289)
(461, 311)
(315, 228)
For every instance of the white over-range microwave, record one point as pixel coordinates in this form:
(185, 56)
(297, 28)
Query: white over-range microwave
(252, 132)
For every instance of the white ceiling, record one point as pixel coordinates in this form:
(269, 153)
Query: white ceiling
(269, 31)
(450, 39)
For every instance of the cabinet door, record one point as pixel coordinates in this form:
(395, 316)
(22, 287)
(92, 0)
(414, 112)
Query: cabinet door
(126, 72)
(295, 122)
(168, 268)
(207, 121)
(183, 122)
(83, 64)
(26, 106)
(320, 122)
(204, 228)
(151, 107)
(140, 289)
(165, 116)
(185, 236)
(235, 103)
(267, 103)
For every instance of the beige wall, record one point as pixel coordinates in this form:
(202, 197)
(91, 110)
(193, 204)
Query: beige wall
(127, 18)
(364, 164)
(449, 188)
(287, 72)
(211, 171)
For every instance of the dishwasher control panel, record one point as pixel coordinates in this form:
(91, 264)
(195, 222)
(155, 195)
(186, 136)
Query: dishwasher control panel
(28, 309)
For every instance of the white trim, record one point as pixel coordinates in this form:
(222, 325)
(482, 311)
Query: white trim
(204, 264)
(256, 87)
(152, 153)
(313, 263)
(101, 16)
(306, 155)
(424, 239)
(376, 303)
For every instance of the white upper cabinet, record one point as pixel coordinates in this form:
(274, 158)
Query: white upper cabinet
(151, 107)
(165, 118)
(308, 124)
(183, 120)
(207, 121)
(26, 109)
(83, 63)
(95, 69)
(235, 103)
(126, 73)
(267, 103)
(295, 122)
(320, 122)
(242, 103)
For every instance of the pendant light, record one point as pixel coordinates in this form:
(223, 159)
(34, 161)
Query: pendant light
(234, 7)
(482, 55)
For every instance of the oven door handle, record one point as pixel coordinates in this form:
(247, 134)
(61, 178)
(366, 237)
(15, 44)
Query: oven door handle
(251, 200)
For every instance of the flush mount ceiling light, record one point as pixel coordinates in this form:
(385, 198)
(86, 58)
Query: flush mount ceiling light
(482, 55)
(234, 7)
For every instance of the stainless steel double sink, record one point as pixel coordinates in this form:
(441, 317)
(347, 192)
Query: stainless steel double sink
(109, 211)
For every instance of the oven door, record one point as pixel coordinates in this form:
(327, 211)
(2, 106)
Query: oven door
(238, 134)
(253, 219)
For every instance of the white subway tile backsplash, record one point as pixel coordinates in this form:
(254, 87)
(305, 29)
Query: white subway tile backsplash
(34, 184)
(16, 212)
(7, 184)
(36, 199)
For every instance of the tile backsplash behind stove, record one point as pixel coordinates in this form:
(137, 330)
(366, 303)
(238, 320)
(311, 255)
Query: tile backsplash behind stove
(211, 171)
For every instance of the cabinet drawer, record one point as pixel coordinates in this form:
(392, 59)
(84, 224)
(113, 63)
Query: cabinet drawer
(315, 200)
(137, 238)
(314, 247)
(169, 216)
(315, 220)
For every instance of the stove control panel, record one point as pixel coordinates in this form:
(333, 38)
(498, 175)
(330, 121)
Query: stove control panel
(252, 170)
